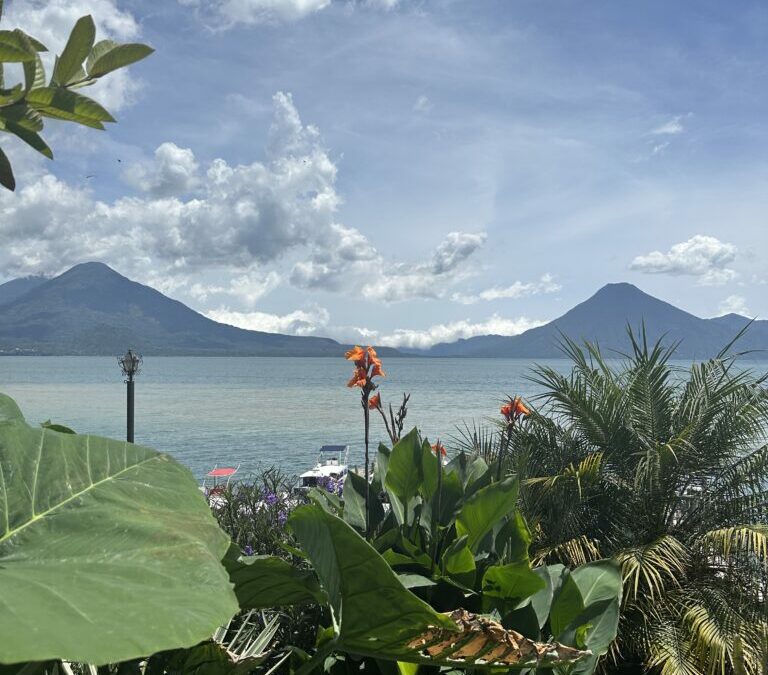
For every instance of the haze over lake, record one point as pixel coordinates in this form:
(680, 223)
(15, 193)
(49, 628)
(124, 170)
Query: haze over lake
(259, 411)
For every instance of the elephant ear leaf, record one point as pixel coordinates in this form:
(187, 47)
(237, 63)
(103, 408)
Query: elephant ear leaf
(108, 550)
(484, 509)
(376, 616)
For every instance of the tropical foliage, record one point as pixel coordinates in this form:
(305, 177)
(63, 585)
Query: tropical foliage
(82, 62)
(666, 471)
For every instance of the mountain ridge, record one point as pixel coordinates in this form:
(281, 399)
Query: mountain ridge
(93, 310)
(604, 317)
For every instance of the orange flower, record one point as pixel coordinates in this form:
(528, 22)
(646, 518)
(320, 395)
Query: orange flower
(355, 354)
(439, 449)
(377, 370)
(359, 378)
(374, 402)
(514, 409)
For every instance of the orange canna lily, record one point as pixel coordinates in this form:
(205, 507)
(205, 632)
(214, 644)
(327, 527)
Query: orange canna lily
(514, 409)
(377, 370)
(357, 353)
(359, 378)
(374, 403)
(439, 449)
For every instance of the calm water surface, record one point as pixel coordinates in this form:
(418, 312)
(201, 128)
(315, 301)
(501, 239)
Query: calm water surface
(257, 411)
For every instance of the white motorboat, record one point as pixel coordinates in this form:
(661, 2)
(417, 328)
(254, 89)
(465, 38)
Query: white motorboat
(331, 467)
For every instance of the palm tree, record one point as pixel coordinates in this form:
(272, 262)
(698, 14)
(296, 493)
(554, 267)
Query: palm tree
(666, 470)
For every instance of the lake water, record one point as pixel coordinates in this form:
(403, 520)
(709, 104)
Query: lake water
(258, 412)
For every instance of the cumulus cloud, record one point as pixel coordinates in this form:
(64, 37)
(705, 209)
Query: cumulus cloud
(51, 21)
(734, 304)
(189, 219)
(240, 215)
(299, 322)
(316, 321)
(450, 332)
(701, 256)
(353, 259)
(519, 289)
(173, 173)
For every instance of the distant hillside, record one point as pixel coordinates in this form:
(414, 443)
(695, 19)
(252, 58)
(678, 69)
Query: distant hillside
(93, 310)
(18, 287)
(604, 317)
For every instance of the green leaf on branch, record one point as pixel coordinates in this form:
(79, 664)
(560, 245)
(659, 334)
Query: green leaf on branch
(75, 52)
(67, 105)
(511, 583)
(118, 56)
(16, 47)
(31, 138)
(7, 179)
(108, 550)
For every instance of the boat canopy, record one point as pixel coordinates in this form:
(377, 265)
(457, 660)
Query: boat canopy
(222, 471)
(336, 449)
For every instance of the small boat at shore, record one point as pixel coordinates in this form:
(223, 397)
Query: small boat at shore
(332, 466)
(216, 481)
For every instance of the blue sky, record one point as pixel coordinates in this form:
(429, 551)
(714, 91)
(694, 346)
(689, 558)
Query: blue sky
(410, 171)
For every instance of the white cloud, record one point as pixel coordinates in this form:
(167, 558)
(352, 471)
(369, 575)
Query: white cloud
(241, 218)
(299, 322)
(226, 13)
(519, 289)
(701, 256)
(51, 21)
(351, 262)
(450, 332)
(734, 304)
(671, 127)
(173, 173)
(240, 215)
(422, 105)
(316, 321)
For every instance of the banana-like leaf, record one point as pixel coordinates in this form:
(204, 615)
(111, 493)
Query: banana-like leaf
(508, 585)
(108, 550)
(404, 471)
(7, 179)
(484, 509)
(483, 642)
(15, 47)
(376, 616)
(68, 105)
(118, 56)
(75, 51)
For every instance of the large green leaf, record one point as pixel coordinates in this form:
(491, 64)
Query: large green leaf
(585, 608)
(68, 105)
(6, 172)
(511, 583)
(108, 550)
(75, 51)
(404, 472)
(262, 582)
(373, 611)
(15, 47)
(486, 508)
(118, 56)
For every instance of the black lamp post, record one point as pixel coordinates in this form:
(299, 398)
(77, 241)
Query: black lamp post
(130, 364)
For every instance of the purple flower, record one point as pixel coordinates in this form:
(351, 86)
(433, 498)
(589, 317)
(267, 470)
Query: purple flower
(282, 518)
(271, 499)
(247, 550)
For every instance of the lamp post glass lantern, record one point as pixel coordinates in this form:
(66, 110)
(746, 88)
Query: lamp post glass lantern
(130, 364)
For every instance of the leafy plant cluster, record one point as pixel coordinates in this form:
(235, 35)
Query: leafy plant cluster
(82, 63)
(109, 554)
